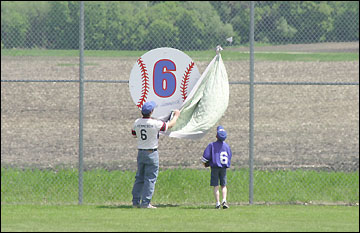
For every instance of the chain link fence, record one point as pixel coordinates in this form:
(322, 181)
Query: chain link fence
(306, 113)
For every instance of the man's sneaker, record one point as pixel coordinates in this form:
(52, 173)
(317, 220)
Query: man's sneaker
(148, 206)
(136, 206)
(225, 205)
(217, 207)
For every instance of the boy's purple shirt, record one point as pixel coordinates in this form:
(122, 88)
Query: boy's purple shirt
(214, 150)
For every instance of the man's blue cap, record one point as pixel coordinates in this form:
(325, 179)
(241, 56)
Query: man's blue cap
(148, 107)
(221, 133)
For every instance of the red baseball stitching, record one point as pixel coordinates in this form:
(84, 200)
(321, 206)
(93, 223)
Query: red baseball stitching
(145, 83)
(185, 81)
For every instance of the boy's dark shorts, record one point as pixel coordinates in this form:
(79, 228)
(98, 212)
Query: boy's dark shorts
(217, 174)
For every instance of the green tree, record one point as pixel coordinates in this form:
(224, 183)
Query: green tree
(312, 21)
(14, 24)
(346, 21)
(190, 29)
(215, 31)
(271, 23)
(186, 25)
(161, 29)
(95, 24)
(72, 31)
(236, 13)
(36, 14)
(162, 34)
(58, 24)
(125, 26)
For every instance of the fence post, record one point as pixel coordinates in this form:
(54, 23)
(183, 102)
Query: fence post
(81, 100)
(251, 110)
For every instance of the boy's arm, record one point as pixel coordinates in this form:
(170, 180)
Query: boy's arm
(205, 162)
(172, 122)
(206, 156)
(133, 132)
(229, 156)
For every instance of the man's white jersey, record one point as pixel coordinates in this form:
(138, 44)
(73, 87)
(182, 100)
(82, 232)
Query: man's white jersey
(147, 132)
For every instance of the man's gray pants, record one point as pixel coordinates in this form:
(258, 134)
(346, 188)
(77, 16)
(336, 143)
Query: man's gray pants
(145, 179)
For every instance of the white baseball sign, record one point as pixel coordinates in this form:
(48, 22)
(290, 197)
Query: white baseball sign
(163, 75)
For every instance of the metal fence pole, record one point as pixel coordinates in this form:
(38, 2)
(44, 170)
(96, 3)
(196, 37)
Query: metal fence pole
(251, 110)
(81, 101)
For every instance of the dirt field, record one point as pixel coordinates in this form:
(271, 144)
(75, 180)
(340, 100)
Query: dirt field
(296, 126)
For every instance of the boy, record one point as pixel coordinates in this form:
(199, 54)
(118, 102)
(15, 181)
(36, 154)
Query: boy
(217, 155)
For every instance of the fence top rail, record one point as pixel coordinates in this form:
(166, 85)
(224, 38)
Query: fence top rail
(231, 83)
(64, 81)
(297, 83)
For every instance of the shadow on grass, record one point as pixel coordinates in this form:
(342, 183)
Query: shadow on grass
(115, 207)
(131, 207)
(201, 207)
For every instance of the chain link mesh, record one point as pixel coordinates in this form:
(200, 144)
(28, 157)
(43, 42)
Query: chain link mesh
(298, 127)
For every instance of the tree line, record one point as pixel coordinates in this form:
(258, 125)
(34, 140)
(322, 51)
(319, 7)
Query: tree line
(186, 25)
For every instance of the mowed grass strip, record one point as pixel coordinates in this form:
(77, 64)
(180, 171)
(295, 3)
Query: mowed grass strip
(206, 55)
(177, 186)
(123, 218)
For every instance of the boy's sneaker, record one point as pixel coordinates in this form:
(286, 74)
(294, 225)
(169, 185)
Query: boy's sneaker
(217, 207)
(136, 204)
(225, 205)
(148, 206)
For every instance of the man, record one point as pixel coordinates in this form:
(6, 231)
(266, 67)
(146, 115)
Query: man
(218, 155)
(146, 130)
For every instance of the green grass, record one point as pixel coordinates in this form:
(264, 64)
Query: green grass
(177, 186)
(227, 55)
(121, 218)
(184, 199)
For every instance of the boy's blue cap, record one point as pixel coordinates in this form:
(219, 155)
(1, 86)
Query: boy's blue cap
(221, 133)
(148, 107)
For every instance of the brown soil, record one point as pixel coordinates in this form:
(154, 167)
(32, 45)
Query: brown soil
(296, 126)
